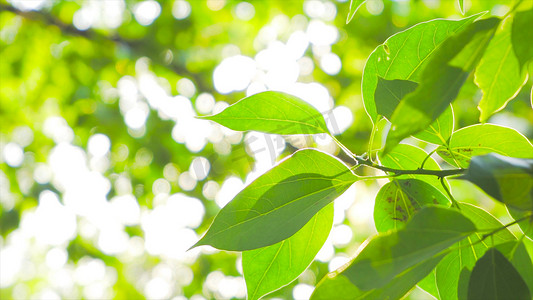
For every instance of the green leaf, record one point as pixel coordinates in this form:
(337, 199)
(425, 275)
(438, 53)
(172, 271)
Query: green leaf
(354, 6)
(405, 54)
(380, 133)
(494, 277)
(429, 232)
(517, 254)
(270, 268)
(463, 259)
(280, 202)
(335, 285)
(440, 130)
(481, 139)
(442, 78)
(272, 112)
(399, 199)
(408, 157)
(429, 284)
(388, 95)
(526, 225)
(462, 6)
(522, 35)
(506, 179)
(499, 75)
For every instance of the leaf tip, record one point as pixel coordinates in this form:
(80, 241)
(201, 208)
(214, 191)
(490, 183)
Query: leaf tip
(483, 115)
(349, 18)
(199, 243)
(462, 7)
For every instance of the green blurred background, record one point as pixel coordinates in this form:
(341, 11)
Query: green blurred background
(106, 177)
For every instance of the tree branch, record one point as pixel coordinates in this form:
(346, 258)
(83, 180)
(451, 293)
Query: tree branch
(93, 35)
(398, 172)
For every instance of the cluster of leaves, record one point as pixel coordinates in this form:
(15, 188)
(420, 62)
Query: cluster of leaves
(450, 249)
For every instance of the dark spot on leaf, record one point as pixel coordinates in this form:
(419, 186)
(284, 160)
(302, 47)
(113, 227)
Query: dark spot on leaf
(414, 203)
(386, 48)
(400, 209)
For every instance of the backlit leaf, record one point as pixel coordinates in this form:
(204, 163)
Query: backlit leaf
(429, 284)
(499, 74)
(280, 202)
(430, 231)
(336, 285)
(270, 268)
(380, 133)
(388, 95)
(462, 6)
(526, 225)
(506, 179)
(463, 259)
(482, 139)
(440, 130)
(522, 35)
(354, 6)
(441, 81)
(494, 277)
(398, 200)
(272, 112)
(517, 254)
(405, 54)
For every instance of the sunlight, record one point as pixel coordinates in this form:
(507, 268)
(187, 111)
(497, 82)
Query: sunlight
(181, 9)
(146, 12)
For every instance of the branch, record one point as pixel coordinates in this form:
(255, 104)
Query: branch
(68, 29)
(367, 161)
(398, 172)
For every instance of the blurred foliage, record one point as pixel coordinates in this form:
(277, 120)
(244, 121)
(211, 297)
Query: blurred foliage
(66, 68)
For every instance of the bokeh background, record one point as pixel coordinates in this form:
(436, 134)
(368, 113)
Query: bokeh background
(106, 177)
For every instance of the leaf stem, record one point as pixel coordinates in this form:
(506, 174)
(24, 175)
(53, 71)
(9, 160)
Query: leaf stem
(447, 189)
(346, 150)
(427, 157)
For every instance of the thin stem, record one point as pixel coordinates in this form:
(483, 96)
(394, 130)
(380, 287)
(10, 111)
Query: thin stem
(346, 150)
(447, 189)
(427, 157)
(451, 153)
